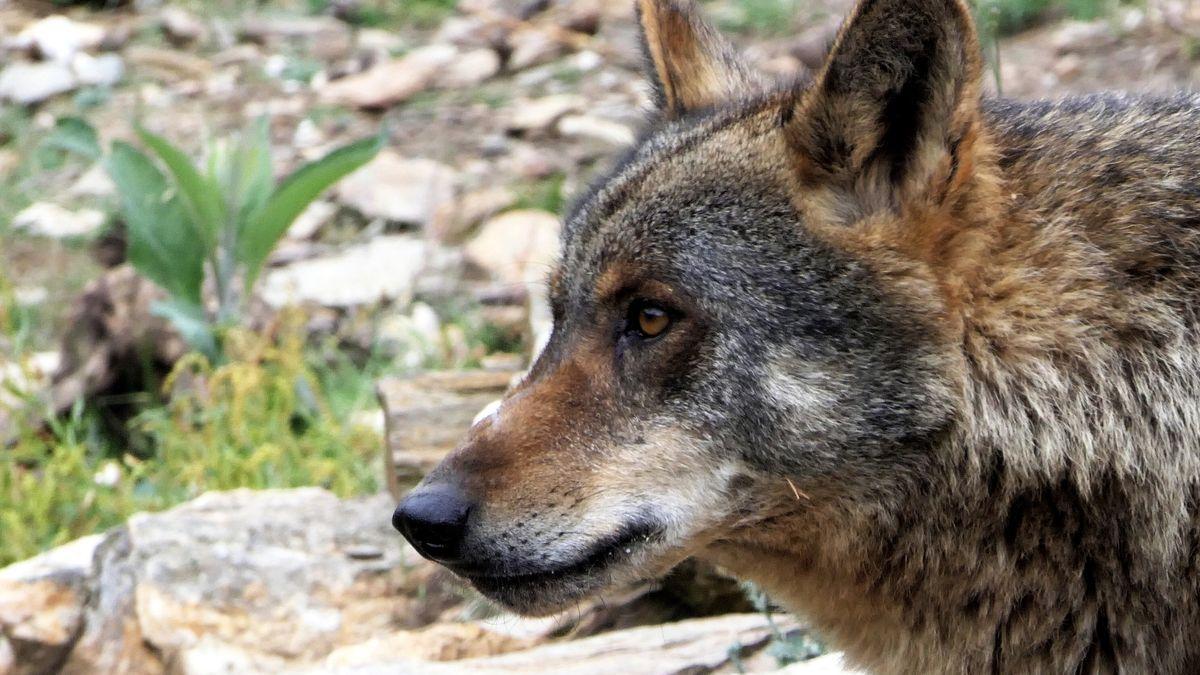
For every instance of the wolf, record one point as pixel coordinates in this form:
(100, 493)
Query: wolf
(922, 363)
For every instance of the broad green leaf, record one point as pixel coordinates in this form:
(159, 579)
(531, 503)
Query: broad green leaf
(200, 196)
(295, 194)
(192, 323)
(75, 135)
(162, 245)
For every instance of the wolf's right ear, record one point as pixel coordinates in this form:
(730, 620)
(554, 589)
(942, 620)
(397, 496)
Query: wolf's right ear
(691, 66)
(895, 111)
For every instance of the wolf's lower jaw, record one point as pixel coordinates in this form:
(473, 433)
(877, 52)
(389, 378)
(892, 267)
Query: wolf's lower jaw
(545, 591)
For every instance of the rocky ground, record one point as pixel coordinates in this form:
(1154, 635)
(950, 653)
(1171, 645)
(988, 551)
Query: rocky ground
(496, 113)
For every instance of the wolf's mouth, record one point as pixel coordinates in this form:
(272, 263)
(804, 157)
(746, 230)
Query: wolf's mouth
(519, 585)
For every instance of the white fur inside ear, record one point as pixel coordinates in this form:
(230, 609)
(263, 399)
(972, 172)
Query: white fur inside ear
(489, 410)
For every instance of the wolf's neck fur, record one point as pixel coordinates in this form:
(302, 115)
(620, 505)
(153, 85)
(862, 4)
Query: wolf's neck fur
(1080, 382)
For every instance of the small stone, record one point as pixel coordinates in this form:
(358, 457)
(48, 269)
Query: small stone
(29, 83)
(469, 69)
(530, 163)
(541, 114)
(1068, 67)
(363, 552)
(512, 244)
(181, 27)
(397, 189)
(596, 128)
(392, 82)
(1081, 36)
(104, 70)
(51, 220)
(455, 219)
(529, 46)
(471, 32)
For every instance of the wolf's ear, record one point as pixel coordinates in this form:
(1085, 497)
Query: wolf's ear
(690, 64)
(894, 112)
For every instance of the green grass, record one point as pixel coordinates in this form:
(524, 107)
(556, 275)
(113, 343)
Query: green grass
(545, 194)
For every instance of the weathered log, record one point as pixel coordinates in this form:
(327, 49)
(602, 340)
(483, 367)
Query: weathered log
(427, 415)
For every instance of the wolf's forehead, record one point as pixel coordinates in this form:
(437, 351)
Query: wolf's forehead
(673, 177)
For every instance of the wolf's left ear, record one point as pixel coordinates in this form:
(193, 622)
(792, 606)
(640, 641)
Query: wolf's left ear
(691, 66)
(894, 112)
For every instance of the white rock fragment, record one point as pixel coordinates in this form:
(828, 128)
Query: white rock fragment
(51, 220)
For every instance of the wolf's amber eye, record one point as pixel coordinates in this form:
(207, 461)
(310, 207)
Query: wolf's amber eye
(652, 321)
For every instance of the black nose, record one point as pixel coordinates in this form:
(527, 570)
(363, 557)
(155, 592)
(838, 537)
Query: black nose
(433, 519)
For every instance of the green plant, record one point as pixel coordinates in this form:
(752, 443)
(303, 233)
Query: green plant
(185, 224)
(260, 420)
(786, 647)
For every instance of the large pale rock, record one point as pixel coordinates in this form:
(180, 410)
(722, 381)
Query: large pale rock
(29, 83)
(399, 189)
(517, 246)
(42, 605)
(58, 38)
(289, 575)
(393, 82)
(387, 268)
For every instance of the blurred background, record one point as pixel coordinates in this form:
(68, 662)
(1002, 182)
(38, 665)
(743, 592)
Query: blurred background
(261, 263)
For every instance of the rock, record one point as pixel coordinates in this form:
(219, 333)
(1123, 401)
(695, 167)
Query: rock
(169, 64)
(312, 219)
(529, 46)
(322, 37)
(695, 646)
(827, 664)
(1069, 67)
(530, 162)
(397, 189)
(392, 82)
(265, 573)
(454, 220)
(95, 182)
(440, 642)
(386, 268)
(51, 220)
(42, 604)
(29, 83)
(1081, 36)
(472, 31)
(469, 69)
(541, 114)
(98, 71)
(181, 27)
(516, 245)
(597, 129)
(58, 38)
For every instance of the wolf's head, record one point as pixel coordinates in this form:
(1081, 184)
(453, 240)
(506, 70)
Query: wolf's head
(750, 315)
